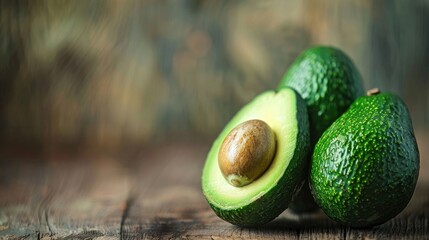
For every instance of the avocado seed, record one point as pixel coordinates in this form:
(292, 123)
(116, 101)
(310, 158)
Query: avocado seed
(247, 152)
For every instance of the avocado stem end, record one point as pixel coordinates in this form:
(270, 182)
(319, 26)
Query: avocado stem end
(373, 91)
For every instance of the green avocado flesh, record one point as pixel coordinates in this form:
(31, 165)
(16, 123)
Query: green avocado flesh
(265, 198)
(328, 81)
(366, 164)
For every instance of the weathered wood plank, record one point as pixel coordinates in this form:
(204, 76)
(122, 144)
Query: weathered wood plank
(157, 194)
(60, 199)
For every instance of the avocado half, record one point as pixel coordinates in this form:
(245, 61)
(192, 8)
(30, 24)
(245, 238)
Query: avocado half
(265, 198)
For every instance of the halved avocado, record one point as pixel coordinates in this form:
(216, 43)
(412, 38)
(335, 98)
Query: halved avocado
(265, 198)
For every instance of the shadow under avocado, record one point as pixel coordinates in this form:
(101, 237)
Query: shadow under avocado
(410, 222)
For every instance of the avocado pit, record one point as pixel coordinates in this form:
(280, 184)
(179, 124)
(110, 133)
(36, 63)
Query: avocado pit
(246, 152)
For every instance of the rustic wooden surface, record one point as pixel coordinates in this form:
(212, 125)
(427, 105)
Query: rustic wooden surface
(155, 193)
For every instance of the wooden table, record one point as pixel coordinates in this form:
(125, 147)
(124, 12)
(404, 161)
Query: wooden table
(154, 193)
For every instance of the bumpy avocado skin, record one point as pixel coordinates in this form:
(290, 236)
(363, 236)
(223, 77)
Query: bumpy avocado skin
(275, 201)
(328, 81)
(365, 166)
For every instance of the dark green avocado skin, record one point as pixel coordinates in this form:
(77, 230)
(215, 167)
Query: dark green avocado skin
(328, 81)
(365, 166)
(278, 198)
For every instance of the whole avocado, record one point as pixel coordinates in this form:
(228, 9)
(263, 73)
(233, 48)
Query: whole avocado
(365, 166)
(328, 81)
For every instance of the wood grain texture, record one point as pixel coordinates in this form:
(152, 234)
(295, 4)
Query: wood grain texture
(156, 194)
(61, 198)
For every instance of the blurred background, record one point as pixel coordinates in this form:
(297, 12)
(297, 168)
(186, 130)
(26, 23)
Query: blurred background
(113, 74)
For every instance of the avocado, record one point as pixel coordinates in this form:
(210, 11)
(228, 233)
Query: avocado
(266, 197)
(366, 164)
(328, 81)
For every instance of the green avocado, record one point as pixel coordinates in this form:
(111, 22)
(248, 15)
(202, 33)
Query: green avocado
(265, 198)
(366, 164)
(328, 81)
